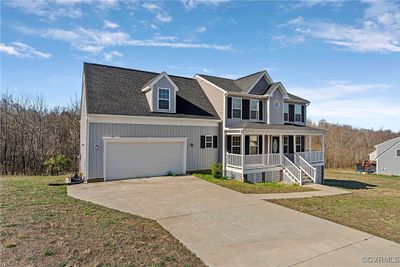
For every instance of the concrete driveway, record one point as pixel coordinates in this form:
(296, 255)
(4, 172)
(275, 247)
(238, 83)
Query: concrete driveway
(227, 228)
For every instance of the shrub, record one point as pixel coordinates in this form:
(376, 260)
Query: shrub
(57, 164)
(216, 170)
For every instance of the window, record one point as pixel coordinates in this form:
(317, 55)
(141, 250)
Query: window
(163, 98)
(209, 141)
(253, 145)
(286, 112)
(236, 145)
(398, 153)
(254, 110)
(297, 113)
(298, 144)
(285, 144)
(236, 108)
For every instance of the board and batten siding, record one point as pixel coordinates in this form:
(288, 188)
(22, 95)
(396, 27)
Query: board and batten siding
(83, 135)
(163, 83)
(197, 158)
(215, 96)
(276, 115)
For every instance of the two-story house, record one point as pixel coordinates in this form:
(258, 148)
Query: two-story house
(138, 124)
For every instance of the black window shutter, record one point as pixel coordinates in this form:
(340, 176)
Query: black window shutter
(260, 103)
(260, 144)
(215, 141)
(302, 143)
(302, 113)
(229, 107)
(247, 145)
(245, 109)
(203, 141)
(229, 143)
(291, 112)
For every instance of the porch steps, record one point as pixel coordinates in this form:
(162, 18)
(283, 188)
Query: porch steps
(306, 179)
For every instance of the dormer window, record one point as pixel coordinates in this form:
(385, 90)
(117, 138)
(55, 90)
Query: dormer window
(164, 98)
(236, 108)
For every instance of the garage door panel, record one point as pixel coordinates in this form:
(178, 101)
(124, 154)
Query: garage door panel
(130, 160)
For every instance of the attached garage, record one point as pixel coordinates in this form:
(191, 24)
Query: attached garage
(126, 157)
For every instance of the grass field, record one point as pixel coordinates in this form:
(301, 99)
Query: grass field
(373, 206)
(259, 188)
(42, 226)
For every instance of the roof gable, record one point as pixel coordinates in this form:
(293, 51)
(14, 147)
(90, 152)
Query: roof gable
(153, 81)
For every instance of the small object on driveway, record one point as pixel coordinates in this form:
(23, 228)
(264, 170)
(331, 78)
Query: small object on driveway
(74, 179)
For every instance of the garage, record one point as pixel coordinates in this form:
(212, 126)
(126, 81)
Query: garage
(143, 157)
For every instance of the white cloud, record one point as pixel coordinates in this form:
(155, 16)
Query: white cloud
(378, 30)
(94, 41)
(163, 17)
(108, 56)
(151, 6)
(110, 25)
(22, 50)
(354, 103)
(191, 4)
(201, 29)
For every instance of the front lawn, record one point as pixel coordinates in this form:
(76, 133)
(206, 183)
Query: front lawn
(373, 206)
(259, 188)
(42, 226)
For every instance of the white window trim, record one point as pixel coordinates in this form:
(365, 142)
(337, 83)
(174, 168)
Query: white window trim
(212, 141)
(241, 108)
(286, 105)
(239, 146)
(295, 120)
(250, 146)
(258, 110)
(158, 98)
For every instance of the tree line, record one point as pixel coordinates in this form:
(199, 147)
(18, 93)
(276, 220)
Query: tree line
(32, 132)
(346, 145)
(33, 135)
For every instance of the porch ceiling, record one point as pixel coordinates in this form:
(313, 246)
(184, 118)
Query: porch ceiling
(263, 128)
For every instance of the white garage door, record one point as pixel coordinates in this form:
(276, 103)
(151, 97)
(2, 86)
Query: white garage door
(144, 157)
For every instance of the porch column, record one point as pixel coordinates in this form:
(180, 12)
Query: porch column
(294, 143)
(323, 143)
(263, 150)
(268, 144)
(242, 148)
(280, 147)
(224, 150)
(309, 143)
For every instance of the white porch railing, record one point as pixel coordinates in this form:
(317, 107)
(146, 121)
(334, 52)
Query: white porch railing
(272, 159)
(292, 169)
(312, 156)
(253, 159)
(306, 167)
(233, 160)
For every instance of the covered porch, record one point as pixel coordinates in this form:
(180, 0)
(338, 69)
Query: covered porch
(295, 149)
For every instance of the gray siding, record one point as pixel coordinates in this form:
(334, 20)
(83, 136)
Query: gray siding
(83, 126)
(215, 96)
(163, 83)
(276, 115)
(197, 158)
(260, 87)
(389, 163)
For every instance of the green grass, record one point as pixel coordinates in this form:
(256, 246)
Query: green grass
(41, 225)
(373, 206)
(258, 188)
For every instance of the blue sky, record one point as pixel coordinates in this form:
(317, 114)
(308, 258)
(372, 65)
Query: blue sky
(343, 56)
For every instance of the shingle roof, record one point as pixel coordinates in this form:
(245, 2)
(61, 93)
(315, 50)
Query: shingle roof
(245, 83)
(297, 98)
(117, 91)
(262, 125)
(223, 83)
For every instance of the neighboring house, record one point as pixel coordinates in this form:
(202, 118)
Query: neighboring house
(387, 157)
(138, 124)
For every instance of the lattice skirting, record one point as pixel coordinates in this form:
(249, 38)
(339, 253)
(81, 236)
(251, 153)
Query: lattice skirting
(270, 176)
(233, 175)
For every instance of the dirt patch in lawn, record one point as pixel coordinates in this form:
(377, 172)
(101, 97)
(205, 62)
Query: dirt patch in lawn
(373, 206)
(43, 226)
(258, 188)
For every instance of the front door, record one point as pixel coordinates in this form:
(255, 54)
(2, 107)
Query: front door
(275, 144)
